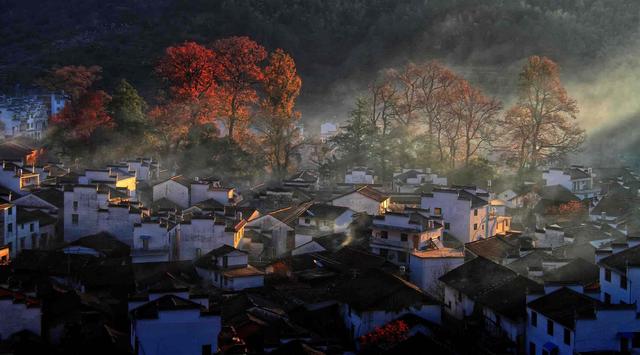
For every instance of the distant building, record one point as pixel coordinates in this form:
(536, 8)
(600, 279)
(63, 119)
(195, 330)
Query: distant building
(409, 180)
(327, 131)
(364, 199)
(359, 176)
(228, 268)
(577, 179)
(28, 115)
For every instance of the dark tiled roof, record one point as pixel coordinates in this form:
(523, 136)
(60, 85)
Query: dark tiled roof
(495, 248)
(390, 294)
(557, 193)
(52, 196)
(324, 211)
(151, 309)
(289, 215)
(617, 204)
(43, 218)
(477, 277)
(367, 191)
(565, 306)
(510, 298)
(621, 260)
(577, 271)
(103, 242)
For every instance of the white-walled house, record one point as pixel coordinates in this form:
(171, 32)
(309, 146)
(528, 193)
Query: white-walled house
(176, 189)
(19, 311)
(327, 218)
(89, 210)
(8, 215)
(395, 235)
(427, 266)
(17, 178)
(152, 241)
(174, 325)
(566, 322)
(409, 180)
(577, 179)
(359, 175)
(464, 214)
(363, 310)
(228, 268)
(620, 275)
(468, 282)
(201, 233)
(364, 199)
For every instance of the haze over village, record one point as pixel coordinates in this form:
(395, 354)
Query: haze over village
(319, 177)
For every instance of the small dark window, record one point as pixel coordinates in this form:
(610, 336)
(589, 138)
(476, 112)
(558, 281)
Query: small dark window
(9, 227)
(607, 298)
(384, 234)
(31, 227)
(607, 275)
(437, 211)
(623, 282)
(567, 336)
(403, 237)
(145, 244)
(446, 226)
(475, 212)
(475, 226)
(534, 319)
(75, 205)
(10, 211)
(549, 327)
(22, 243)
(74, 219)
(307, 221)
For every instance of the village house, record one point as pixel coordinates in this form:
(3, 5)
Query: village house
(359, 176)
(326, 218)
(523, 196)
(17, 178)
(50, 201)
(363, 310)
(427, 266)
(409, 180)
(395, 235)
(228, 268)
(464, 213)
(620, 273)
(27, 115)
(364, 199)
(305, 179)
(577, 179)
(8, 213)
(152, 241)
(185, 192)
(34, 230)
(568, 322)
(89, 209)
(174, 325)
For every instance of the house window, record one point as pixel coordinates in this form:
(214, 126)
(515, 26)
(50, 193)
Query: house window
(307, 221)
(437, 211)
(145, 244)
(384, 234)
(403, 237)
(446, 226)
(198, 252)
(10, 211)
(549, 327)
(22, 243)
(31, 227)
(475, 226)
(506, 223)
(623, 282)
(74, 219)
(607, 298)
(607, 275)
(567, 336)
(532, 348)
(534, 319)
(475, 212)
(75, 205)
(34, 241)
(9, 227)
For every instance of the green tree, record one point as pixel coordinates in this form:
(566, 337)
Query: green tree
(127, 108)
(354, 142)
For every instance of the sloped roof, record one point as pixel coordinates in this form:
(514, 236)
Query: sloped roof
(557, 193)
(510, 298)
(621, 260)
(616, 204)
(477, 277)
(151, 309)
(495, 248)
(52, 196)
(577, 271)
(564, 306)
(368, 192)
(325, 211)
(289, 215)
(103, 242)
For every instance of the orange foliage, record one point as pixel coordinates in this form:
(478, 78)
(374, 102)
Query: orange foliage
(386, 336)
(81, 117)
(281, 85)
(190, 69)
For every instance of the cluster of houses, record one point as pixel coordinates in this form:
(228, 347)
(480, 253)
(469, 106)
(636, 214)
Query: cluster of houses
(125, 259)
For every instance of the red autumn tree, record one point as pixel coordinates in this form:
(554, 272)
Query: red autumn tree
(277, 120)
(73, 80)
(387, 335)
(82, 117)
(190, 70)
(239, 72)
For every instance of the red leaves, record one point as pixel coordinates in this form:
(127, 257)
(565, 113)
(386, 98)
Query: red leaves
(190, 69)
(386, 336)
(81, 117)
(281, 85)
